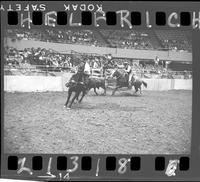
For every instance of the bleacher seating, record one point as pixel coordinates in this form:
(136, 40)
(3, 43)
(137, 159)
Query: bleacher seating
(174, 40)
(129, 39)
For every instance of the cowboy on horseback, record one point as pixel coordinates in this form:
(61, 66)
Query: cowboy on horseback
(128, 71)
(83, 73)
(78, 83)
(121, 80)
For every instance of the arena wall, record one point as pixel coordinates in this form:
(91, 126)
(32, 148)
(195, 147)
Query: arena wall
(32, 83)
(120, 53)
(183, 84)
(158, 84)
(45, 83)
(65, 79)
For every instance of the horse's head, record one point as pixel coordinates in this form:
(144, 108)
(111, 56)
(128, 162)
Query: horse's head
(115, 73)
(70, 84)
(74, 77)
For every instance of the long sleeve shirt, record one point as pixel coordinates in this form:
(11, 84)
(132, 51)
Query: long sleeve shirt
(87, 68)
(128, 69)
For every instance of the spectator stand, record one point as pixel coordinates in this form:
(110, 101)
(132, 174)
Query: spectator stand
(49, 61)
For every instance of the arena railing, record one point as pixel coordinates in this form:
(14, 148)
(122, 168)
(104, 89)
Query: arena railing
(47, 69)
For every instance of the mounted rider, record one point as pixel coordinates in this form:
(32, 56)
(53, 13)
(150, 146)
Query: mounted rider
(83, 73)
(109, 63)
(86, 71)
(128, 71)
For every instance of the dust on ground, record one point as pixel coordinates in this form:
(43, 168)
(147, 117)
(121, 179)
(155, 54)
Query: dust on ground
(154, 123)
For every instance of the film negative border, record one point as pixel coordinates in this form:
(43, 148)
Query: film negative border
(111, 18)
(66, 167)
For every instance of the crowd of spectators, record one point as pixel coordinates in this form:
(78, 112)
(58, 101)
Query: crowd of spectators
(35, 56)
(172, 40)
(84, 37)
(51, 60)
(128, 39)
(20, 34)
(28, 57)
(181, 45)
(39, 56)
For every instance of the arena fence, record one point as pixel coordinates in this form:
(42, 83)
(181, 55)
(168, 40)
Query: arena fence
(45, 70)
(44, 83)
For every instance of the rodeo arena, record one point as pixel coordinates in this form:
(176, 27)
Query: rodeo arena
(97, 91)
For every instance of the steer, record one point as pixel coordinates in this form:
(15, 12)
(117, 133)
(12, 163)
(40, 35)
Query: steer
(95, 82)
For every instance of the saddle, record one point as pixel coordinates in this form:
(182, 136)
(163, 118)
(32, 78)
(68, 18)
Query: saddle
(80, 78)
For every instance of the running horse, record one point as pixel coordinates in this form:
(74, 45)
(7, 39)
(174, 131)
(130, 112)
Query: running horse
(122, 81)
(77, 84)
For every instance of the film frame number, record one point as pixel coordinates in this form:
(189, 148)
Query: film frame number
(123, 165)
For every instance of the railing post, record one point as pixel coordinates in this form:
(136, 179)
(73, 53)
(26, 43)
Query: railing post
(46, 70)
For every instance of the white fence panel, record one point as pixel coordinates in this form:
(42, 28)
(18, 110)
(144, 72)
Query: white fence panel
(48, 83)
(32, 83)
(158, 84)
(183, 84)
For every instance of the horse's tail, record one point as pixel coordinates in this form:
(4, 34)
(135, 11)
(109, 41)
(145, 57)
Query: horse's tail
(144, 83)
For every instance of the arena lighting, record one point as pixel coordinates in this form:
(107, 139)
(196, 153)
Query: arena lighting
(124, 19)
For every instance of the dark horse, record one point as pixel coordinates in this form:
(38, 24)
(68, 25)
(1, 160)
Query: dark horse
(122, 81)
(77, 84)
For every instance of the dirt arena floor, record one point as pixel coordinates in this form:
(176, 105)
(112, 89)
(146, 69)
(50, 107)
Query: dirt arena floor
(154, 123)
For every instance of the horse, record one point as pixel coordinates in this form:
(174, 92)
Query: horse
(92, 83)
(76, 84)
(122, 81)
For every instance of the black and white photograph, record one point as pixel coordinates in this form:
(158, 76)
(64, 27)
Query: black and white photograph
(97, 91)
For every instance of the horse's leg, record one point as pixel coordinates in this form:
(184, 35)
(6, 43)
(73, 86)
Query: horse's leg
(104, 87)
(69, 95)
(84, 93)
(114, 90)
(136, 90)
(140, 90)
(77, 98)
(87, 90)
(104, 90)
(95, 91)
(76, 94)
